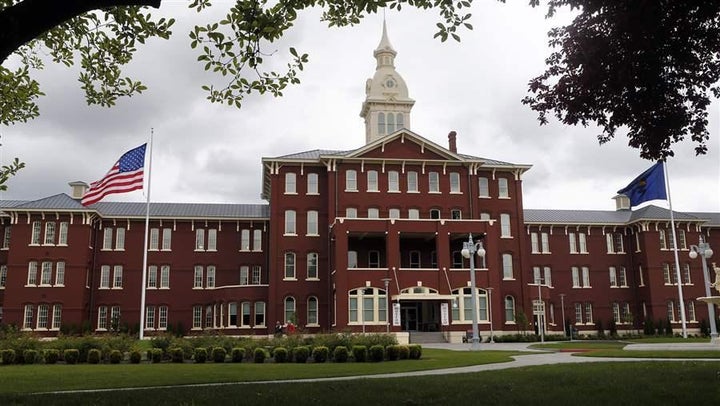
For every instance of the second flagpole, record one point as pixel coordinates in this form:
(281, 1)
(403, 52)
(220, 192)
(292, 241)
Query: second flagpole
(145, 241)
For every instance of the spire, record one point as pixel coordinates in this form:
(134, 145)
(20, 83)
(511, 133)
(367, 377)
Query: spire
(384, 46)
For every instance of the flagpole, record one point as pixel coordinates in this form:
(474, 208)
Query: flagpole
(678, 276)
(145, 244)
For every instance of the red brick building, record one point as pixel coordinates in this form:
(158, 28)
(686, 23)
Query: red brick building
(361, 240)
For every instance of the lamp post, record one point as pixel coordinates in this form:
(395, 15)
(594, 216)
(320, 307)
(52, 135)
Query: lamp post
(703, 249)
(540, 310)
(492, 335)
(562, 310)
(470, 248)
(386, 281)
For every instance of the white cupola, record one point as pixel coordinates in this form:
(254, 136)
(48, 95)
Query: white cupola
(387, 105)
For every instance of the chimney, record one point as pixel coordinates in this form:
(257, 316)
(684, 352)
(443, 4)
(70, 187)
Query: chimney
(78, 189)
(452, 141)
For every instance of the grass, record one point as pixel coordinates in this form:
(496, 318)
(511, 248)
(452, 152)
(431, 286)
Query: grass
(621, 383)
(615, 349)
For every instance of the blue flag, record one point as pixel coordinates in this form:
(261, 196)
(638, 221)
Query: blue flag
(650, 185)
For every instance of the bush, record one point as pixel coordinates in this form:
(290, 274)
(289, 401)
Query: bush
(392, 352)
(377, 353)
(93, 356)
(177, 354)
(52, 356)
(359, 353)
(280, 354)
(200, 355)
(71, 356)
(156, 355)
(135, 357)
(320, 354)
(403, 352)
(415, 351)
(259, 355)
(237, 354)
(8, 357)
(30, 356)
(301, 354)
(340, 354)
(116, 356)
(219, 354)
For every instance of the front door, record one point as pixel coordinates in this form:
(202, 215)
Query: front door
(409, 317)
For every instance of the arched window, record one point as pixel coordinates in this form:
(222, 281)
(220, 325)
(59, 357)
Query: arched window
(509, 309)
(399, 121)
(289, 309)
(289, 265)
(390, 122)
(312, 310)
(381, 123)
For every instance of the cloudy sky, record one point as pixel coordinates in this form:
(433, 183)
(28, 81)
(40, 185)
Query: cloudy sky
(212, 153)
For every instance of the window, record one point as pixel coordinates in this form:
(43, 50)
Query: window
(412, 181)
(374, 259)
(232, 314)
(42, 320)
(463, 312)
(686, 274)
(671, 310)
(102, 318)
(537, 276)
(393, 181)
(152, 277)
(256, 274)
(614, 243)
(413, 214)
(577, 241)
(582, 240)
(57, 317)
(290, 222)
(682, 242)
(153, 244)
(505, 225)
(381, 123)
(120, 238)
(312, 265)
(165, 277)
(351, 212)
(210, 277)
(503, 188)
(455, 182)
(534, 243)
(435, 214)
(394, 213)
(312, 222)
(49, 238)
(367, 306)
(625, 313)
(400, 122)
(690, 307)
(62, 237)
(244, 240)
(245, 309)
(259, 314)
(575, 277)
(3, 275)
(117, 277)
(350, 180)
(312, 311)
(289, 309)
(289, 265)
(507, 261)
(6, 237)
(167, 239)
(434, 182)
(588, 313)
(509, 309)
(197, 317)
(457, 259)
(613, 277)
(312, 183)
(578, 313)
(640, 276)
(212, 239)
(372, 181)
(669, 274)
(209, 317)
(622, 277)
(149, 317)
(199, 239)
(290, 183)
(162, 317)
(107, 239)
(545, 243)
(352, 259)
(483, 189)
(586, 277)
(32, 273)
(257, 240)
(373, 213)
(36, 229)
(456, 214)
(616, 312)
(663, 241)
(46, 273)
(60, 273)
(414, 259)
(244, 275)
(547, 272)
(198, 277)
(105, 277)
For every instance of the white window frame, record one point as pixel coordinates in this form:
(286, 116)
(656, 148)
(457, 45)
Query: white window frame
(290, 183)
(393, 181)
(198, 277)
(62, 233)
(60, 273)
(154, 241)
(505, 229)
(503, 190)
(433, 182)
(290, 222)
(350, 180)
(165, 277)
(312, 184)
(312, 223)
(289, 266)
(372, 181)
(483, 187)
(120, 239)
(105, 277)
(507, 264)
(257, 240)
(455, 183)
(312, 265)
(167, 239)
(36, 232)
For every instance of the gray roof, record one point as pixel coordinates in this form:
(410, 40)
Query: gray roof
(314, 154)
(614, 217)
(713, 219)
(491, 162)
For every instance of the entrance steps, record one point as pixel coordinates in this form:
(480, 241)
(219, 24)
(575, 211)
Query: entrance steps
(422, 337)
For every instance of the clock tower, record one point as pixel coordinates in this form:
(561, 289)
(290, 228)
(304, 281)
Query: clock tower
(387, 106)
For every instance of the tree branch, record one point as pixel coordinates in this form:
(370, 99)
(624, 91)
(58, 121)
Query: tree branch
(28, 19)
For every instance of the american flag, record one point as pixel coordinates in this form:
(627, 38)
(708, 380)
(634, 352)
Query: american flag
(125, 176)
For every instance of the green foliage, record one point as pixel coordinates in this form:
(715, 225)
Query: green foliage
(369, 340)
(301, 354)
(115, 356)
(30, 356)
(341, 354)
(403, 352)
(415, 351)
(259, 355)
(704, 328)
(71, 356)
(8, 356)
(177, 354)
(649, 327)
(219, 354)
(613, 329)
(280, 355)
(360, 353)
(200, 355)
(521, 320)
(392, 352)
(377, 353)
(660, 326)
(8, 170)
(93, 356)
(52, 356)
(600, 328)
(135, 357)
(668, 328)
(237, 354)
(156, 355)
(320, 354)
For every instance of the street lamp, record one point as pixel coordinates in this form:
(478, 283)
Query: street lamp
(386, 281)
(470, 248)
(562, 310)
(492, 336)
(703, 249)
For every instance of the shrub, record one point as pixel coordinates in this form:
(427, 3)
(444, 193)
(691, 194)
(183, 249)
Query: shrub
(8, 356)
(135, 357)
(259, 355)
(30, 356)
(403, 352)
(200, 355)
(219, 354)
(280, 354)
(320, 354)
(177, 354)
(116, 356)
(359, 353)
(52, 356)
(93, 356)
(156, 355)
(340, 354)
(392, 352)
(71, 356)
(415, 351)
(377, 353)
(301, 354)
(237, 354)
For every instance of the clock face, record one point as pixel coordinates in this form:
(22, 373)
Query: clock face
(390, 83)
